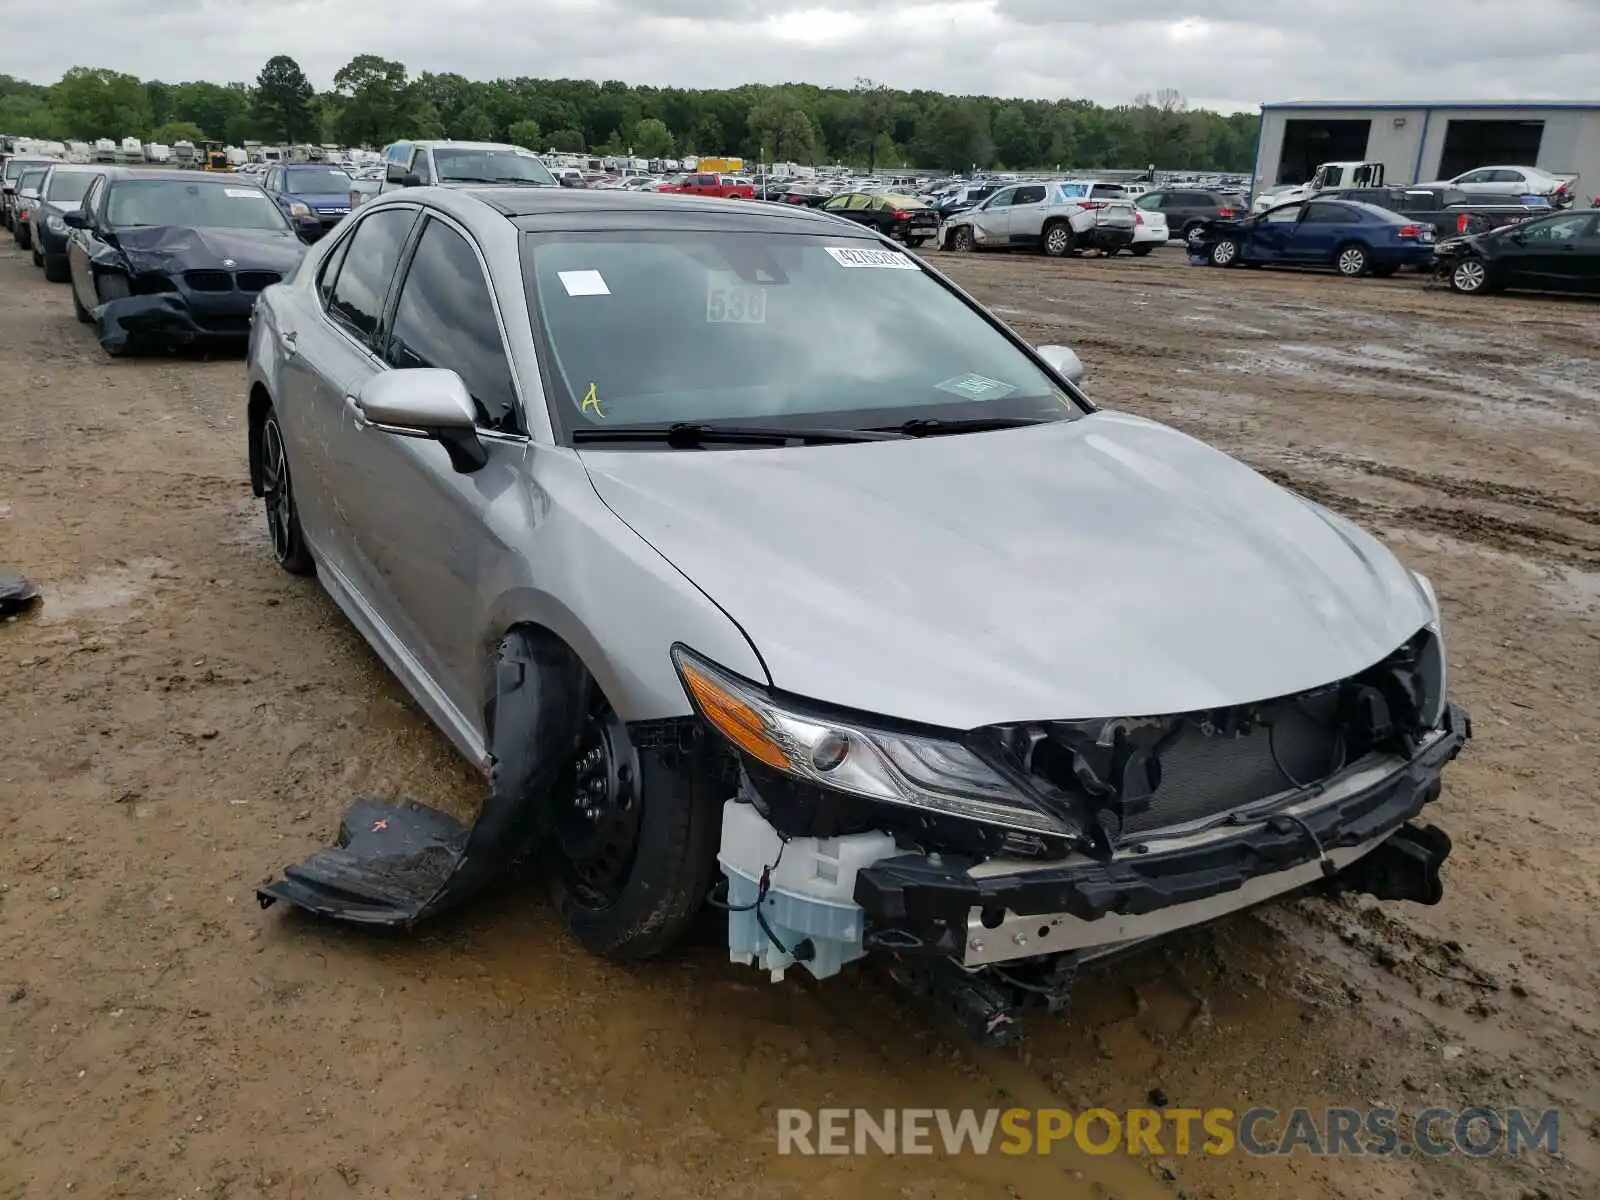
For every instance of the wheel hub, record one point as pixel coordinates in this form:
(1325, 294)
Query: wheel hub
(599, 810)
(275, 488)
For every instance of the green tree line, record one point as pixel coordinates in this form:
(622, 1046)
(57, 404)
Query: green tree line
(375, 100)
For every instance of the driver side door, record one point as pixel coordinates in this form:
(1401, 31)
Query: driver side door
(429, 533)
(1551, 254)
(989, 219)
(1270, 236)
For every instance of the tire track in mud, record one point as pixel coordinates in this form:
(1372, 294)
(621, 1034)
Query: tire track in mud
(1468, 489)
(1527, 538)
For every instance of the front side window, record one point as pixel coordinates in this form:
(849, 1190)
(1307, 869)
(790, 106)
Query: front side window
(30, 181)
(1001, 199)
(369, 263)
(445, 317)
(751, 327)
(1286, 215)
(1152, 201)
(135, 202)
(1032, 194)
(505, 167)
(1558, 229)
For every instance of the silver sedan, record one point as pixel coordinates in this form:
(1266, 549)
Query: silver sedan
(752, 560)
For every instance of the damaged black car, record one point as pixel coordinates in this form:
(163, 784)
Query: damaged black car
(162, 259)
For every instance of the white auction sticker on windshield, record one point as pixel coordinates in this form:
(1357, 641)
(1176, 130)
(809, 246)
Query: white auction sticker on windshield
(244, 193)
(976, 387)
(584, 283)
(892, 259)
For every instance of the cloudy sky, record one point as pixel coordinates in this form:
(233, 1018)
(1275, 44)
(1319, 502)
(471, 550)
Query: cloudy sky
(1228, 54)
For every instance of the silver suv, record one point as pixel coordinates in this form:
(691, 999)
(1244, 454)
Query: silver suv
(462, 164)
(1063, 217)
(753, 563)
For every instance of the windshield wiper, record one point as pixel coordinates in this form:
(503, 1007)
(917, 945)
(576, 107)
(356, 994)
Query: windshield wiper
(932, 426)
(688, 436)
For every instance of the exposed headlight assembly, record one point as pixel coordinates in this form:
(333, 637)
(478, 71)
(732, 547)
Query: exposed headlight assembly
(55, 224)
(1434, 666)
(929, 773)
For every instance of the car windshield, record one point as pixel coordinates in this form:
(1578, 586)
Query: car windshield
(316, 182)
(16, 166)
(490, 166)
(69, 185)
(754, 327)
(192, 205)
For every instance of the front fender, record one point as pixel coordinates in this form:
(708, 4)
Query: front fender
(588, 578)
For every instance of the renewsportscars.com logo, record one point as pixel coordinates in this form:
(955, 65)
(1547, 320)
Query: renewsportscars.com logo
(1431, 1132)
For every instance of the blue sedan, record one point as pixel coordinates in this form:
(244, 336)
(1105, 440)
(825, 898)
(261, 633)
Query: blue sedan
(1352, 237)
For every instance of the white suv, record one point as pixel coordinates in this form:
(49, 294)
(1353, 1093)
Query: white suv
(1055, 217)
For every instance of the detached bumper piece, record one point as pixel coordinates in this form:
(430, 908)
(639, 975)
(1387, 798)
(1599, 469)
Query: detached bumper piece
(395, 864)
(918, 906)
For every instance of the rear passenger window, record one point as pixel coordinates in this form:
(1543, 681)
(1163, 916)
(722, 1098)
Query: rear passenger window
(445, 317)
(1330, 214)
(1029, 195)
(367, 268)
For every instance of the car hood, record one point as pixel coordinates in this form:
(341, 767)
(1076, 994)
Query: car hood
(175, 247)
(1107, 566)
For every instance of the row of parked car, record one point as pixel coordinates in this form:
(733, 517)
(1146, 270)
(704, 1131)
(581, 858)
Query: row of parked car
(1478, 243)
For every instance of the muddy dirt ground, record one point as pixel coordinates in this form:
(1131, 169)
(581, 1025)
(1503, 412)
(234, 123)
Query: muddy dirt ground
(181, 719)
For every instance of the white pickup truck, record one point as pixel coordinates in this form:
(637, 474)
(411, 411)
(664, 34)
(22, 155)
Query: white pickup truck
(1325, 178)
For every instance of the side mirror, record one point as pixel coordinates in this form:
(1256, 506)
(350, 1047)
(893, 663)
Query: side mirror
(1064, 361)
(426, 402)
(412, 179)
(75, 218)
(395, 173)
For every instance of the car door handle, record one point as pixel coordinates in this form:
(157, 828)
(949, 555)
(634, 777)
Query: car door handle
(290, 340)
(353, 407)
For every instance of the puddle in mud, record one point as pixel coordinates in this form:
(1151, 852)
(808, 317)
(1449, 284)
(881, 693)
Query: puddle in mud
(1558, 394)
(1576, 589)
(104, 595)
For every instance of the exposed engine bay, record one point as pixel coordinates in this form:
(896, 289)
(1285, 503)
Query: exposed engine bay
(1123, 829)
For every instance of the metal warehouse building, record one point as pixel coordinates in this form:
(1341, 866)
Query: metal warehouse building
(1421, 142)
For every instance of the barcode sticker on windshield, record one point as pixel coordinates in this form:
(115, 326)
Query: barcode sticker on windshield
(892, 259)
(583, 283)
(976, 387)
(729, 301)
(244, 193)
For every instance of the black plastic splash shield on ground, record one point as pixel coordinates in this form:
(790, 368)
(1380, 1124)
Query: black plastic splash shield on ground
(397, 863)
(17, 595)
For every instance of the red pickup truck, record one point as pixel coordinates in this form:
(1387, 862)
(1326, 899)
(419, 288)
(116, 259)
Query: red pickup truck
(710, 185)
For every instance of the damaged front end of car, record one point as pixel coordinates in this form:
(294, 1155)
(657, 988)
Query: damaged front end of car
(163, 287)
(990, 866)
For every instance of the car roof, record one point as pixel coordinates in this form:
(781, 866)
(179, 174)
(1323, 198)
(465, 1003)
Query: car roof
(550, 209)
(447, 143)
(79, 168)
(175, 175)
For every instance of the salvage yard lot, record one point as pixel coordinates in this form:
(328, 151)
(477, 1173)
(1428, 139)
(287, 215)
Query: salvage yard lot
(182, 720)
